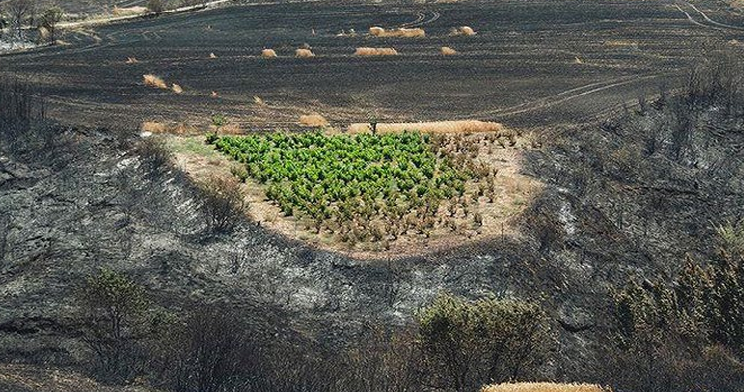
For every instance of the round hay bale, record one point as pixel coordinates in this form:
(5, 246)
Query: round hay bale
(467, 30)
(447, 51)
(304, 53)
(376, 31)
(268, 53)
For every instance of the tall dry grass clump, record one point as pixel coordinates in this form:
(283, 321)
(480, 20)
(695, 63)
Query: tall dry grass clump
(376, 52)
(465, 126)
(268, 53)
(313, 120)
(447, 51)
(397, 33)
(304, 53)
(154, 81)
(543, 387)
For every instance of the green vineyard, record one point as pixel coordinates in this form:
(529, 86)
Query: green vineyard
(335, 179)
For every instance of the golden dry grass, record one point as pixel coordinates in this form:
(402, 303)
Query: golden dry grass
(313, 120)
(124, 11)
(258, 100)
(447, 51)
(132, 60)
(465, 126)
(304, 53)
(153, 127)
(154, 81)
(172, 128)
(375, 52)
(397, 33)
(177, 88)
(543, 387)
(268, 53)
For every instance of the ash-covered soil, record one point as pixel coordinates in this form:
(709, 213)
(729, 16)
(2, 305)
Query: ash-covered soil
(532, 63)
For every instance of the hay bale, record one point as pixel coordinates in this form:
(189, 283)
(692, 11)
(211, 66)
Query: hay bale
(313, 120)
(268, 53)
(447, 51)
(409, 33)
(375, 52)
(177, 88)
(467, 31)
(397, 33)
(304, 53)
(376, 31)
(542, 387)
(462, 126)
(154, 81)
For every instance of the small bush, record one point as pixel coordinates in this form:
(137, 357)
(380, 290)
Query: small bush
(223, 203)
(156, 6)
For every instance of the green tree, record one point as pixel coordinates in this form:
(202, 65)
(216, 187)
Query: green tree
(114, 319)
(489, 340)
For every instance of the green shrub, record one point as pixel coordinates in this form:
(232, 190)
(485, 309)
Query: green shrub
(489, 340)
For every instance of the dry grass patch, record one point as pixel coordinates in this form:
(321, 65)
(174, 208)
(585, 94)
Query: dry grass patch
(465, 126)
(154, 81)
(313, 120)
(268, 53)
(376, 52)
(125, 11)
(155, 127)
(543, 387)
(304, 53)
(397, 33)
(447, 51)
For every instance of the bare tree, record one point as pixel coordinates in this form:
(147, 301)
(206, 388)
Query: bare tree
(19, 13)
(49, 20)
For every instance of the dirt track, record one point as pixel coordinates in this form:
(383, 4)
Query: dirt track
(532, 63)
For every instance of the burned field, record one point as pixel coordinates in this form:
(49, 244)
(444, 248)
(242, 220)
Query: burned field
(529, 64)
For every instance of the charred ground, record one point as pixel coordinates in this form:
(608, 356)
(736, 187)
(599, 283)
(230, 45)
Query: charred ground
(531, 63)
